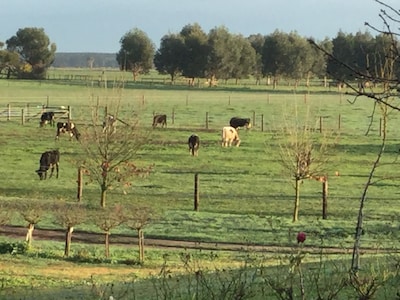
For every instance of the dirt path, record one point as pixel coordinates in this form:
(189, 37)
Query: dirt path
(97, 238)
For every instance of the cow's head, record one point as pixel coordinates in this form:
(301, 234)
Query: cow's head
(248, 124)
(41, 173)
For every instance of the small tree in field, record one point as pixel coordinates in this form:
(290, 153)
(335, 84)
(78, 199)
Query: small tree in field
(137, 218)
(32, 213)
(110, 151)
(107, 219)
(303, 155)
(69, 215)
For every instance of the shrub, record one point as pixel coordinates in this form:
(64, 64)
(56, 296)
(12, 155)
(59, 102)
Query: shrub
(13, 248)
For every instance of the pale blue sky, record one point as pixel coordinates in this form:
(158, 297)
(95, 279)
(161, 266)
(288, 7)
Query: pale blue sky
(98, 25)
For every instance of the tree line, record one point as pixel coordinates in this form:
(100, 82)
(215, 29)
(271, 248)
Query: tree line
(216, 55)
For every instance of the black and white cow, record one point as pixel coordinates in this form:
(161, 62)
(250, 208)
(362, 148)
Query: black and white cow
(194, 144)
(69, 128)
(160, 119)
(47, 117)
(48, 160)
(236, 122)
(109, 124)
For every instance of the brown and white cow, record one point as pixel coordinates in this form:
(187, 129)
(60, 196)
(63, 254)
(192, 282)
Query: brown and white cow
(194, 144)
(160, 119)
(230, 136)
(67, 127)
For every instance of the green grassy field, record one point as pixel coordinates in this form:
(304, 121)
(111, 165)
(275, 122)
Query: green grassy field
(244, 188)
(245, 196)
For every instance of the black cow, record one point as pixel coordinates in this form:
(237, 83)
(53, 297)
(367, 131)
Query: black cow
(194, 144)
(69, 128)
(160, 119)
(48, 160)
(236, 122)
(47, 117)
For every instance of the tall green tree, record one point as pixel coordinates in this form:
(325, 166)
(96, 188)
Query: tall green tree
(288, 55)
(223, 54)
(9, 62)
(257, 42)
(195, 54)
(273, 55)
(136, 53)
(354, 51)
(245, 58)
(167, 59)
(35, 51)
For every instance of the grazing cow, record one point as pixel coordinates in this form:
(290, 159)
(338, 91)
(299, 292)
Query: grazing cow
(47, 117)
(109, 124)
(69, 128)
(236, 122)
(230, 136)
(48, 160)
(194, 144)
(160, 119)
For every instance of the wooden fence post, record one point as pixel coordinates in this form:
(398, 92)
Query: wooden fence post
(229, 100)
(22, 117)
(339, 122)
(196, 192)
(47, 101)
(80, 184)
(8, 112)
(69, 114)
(254, 117)
(325, 198)
(262, 122)
(206, 120)
(173, 115)
(187, 100)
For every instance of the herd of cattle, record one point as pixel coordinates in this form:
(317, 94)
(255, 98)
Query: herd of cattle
(51, 159)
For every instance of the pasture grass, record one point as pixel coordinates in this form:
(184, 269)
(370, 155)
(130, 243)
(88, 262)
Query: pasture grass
(245, 196)
(241, 188)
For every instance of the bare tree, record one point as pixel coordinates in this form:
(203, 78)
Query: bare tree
(109, 155)
(69, 215)
(137, 218)
(32, 212)
(107, 219)
(384, 93)
(303, 154)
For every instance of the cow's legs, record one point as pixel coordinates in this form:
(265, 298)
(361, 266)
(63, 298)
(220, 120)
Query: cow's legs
(51, 171)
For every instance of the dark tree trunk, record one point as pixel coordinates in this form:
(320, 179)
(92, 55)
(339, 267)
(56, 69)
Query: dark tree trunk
(68, 238)
(107, 243)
